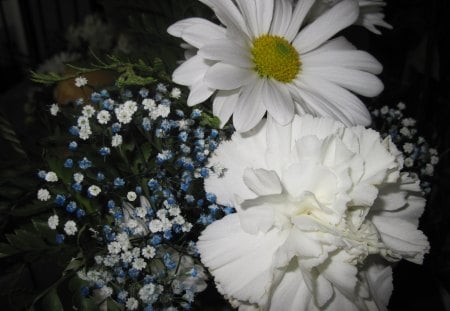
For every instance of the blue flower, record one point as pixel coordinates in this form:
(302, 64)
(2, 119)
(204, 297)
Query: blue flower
(60, 199)
(59, 239)
(84, 290)
(118, 215)
(75, 131)
(68, 163)
(119, 182)
(115, 127)
(228, 210)
(71, 207)
(146, 124)
(189, 198)
(149, 308)
(73, 146)
(143, 92)
(196, 113)
(155, 240)
(96, 97)
(79, 101)
(104, 93)
(204, 172)
(100, 176)
(84, 164)
(211, 197)
(111, 204)
(183, 136)
(199, 133)
(200, 202)
(133, 273)
(138, 190)
(214, 133)
(127, 94)
(166, 102)
(80, 213)
(108, 104)
(168, 234)
(77, 187)
(179, 113)
(41, 174)
(104, 151)
(168, 262)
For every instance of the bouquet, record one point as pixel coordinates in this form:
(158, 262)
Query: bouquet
(250, 168)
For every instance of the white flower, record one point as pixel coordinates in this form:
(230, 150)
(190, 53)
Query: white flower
(408, 147)
(114, 248)
(434, 160)
(80, 81)
(148, 252)
(54, 109)
(262, 61)
(88, 111)
(139, 264)
(130, 106)
(43, 195)
(103, 117)
(116, 140)
(409, 162)
(70, 227)
(78, 177)
(131, 196)
(53, 222)
(401, 106)
(175, 93)
(51, 177)
(317, 205)
(149, 104)
(85, 132)
(94, 190)
(123, 115)
(155, 225)
(132, 304)
(83, 121)
(429, 169)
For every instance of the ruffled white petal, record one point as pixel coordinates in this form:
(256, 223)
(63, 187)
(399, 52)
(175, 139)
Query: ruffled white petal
(327, 25)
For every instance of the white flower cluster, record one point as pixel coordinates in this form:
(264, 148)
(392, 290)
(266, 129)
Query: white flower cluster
(321, 210)
(124, 112)
(155, 111)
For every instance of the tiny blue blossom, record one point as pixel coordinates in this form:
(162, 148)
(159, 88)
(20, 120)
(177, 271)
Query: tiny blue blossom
(41, 174)
(80, 213)
(104, 151)
(60, 199)
(183, 136)
(84, 164)
(155, 240)
(146, 124)
(161, 88)
(143, 92)
(119, 182)
(75, 131)
(111, 204)
(104, 93)
(68, 163)
(115, 127)
(100, 176)
(84, 290)
(138, 190)
(77, 187)
(73, 146)
(59, 239)
(71, 207)
(96, 97)
(196, 113)
(211, 197)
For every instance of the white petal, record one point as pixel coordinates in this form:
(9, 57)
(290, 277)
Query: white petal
(256, 218)
(379, 279)
(278, 102)
(249, 11)
(360, 82)
(200, 34)
(228, 77)
(352, 59)
(190, 71)
(240, 262)
(262, 182)
(278, 149)
(281, 17)
(228, 52)
(340, 101)
(199, 93)
(250, 108)
(178, 28)
(224, 104)
(298, 16)
(327, 25)
(229, 15)
(264, 15)
(335, 44)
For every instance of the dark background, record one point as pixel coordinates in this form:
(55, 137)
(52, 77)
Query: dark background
(415, 55)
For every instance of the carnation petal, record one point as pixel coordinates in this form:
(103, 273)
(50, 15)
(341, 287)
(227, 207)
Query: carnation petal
(262, 182)
(222, 76)
(341, 15)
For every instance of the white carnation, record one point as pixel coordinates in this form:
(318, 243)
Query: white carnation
(313, 199)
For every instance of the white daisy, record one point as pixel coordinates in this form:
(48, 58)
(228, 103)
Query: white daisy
(321, 209)
(265, 59)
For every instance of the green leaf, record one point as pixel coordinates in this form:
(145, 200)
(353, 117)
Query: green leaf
(51, 301)
(113, 306)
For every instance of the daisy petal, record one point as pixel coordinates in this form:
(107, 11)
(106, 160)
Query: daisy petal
(248, 9)
(357, 60)
(281, 17)
(228, 52)
(327, 25)
(200, 34)
(224, 104)
(278, 102)
(199, 93)
(250, 108)
(178, 28)
(264, 15)
(360, 82)
(227, 77)
(190, 71)
(298, 16)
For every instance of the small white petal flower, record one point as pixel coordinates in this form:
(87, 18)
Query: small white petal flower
(94, 190)
(149, 104)
(175, 93)
(408, 147)
(54, 109)
(409, 162)
(155, 225)
(51, 177)
(131, 196)
(434, 160)
(88, 111)
(132, 303)
(43, 195)
(80, 81)
(53, 222)
(116, 140)
(139, 264)
(103, 117)
(317, 205)
(148, 252)
(78, 178)
(265, 59)
(85, 132)
(70, 227)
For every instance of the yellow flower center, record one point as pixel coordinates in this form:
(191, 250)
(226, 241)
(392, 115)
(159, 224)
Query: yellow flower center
(276, 58)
